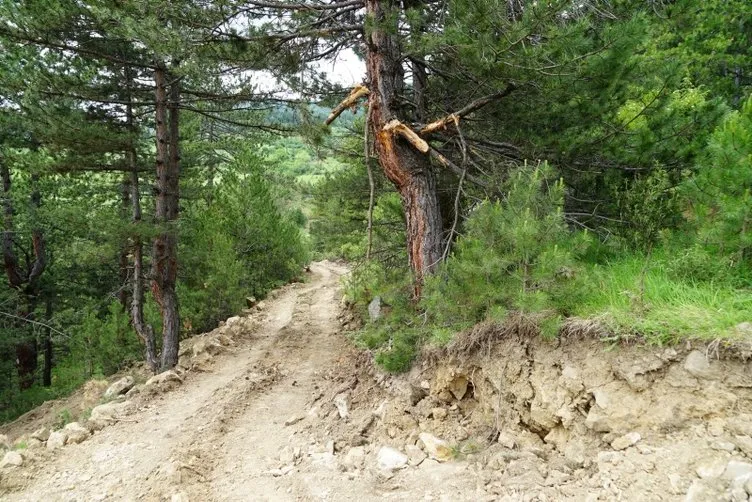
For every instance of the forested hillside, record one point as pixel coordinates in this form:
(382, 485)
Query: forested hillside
(578, 167)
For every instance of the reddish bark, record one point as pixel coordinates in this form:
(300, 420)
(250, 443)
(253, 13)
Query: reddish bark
(164, 251)
(408, 170)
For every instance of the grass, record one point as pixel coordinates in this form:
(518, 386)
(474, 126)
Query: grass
(633, 296)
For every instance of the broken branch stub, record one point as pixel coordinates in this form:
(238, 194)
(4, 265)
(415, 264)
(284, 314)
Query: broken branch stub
(351, 100)
(396, 127)
(441, 124)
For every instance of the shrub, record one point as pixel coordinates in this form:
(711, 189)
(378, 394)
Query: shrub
(516, 254)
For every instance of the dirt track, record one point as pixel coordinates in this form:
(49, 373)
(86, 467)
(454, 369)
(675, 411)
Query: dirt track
(263, 422)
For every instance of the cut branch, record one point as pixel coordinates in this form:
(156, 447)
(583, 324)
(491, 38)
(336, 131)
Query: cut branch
(396, 127)
(351, 100)
(454, 118)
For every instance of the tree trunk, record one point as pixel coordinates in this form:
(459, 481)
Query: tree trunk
(408, 170)
(164, 254)
(48, 362)
(23, 281)
(143, 329)
(123, 258)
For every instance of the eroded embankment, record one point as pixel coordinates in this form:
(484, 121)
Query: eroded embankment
(571, 418)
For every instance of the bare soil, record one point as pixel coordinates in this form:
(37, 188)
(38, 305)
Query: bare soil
(289, 410)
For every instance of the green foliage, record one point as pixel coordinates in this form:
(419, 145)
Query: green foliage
(515, 255)
(721, 192)
(236, 243)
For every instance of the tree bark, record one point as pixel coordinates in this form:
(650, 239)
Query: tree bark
(143, 329)
(123, 258)
(164, 253)
(23, 281)
(48, 362)
(407, 169)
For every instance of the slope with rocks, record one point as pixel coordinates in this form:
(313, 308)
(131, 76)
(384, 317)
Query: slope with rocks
(278, 405)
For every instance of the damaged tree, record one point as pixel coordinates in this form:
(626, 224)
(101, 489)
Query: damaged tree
(398, 102)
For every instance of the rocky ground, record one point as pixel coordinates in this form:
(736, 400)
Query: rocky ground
(277, 405)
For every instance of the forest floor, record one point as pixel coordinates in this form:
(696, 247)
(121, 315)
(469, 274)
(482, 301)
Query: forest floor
(290, 411)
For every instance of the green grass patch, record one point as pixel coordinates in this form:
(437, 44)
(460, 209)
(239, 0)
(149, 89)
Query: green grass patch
(640, 296)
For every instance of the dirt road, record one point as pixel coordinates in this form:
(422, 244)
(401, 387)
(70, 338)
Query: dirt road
(292, 412)
(222, 435)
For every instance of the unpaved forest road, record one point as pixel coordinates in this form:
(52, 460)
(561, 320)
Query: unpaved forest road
(217, 436)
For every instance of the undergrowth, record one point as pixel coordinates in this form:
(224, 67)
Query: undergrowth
(519, 267)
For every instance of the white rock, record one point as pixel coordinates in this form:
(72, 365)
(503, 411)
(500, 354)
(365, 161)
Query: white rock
(107, 413)
(698, 366)
(41, 434)
(415, 455)
(119, 387)
(507, 440)
(700, 492)
(737, 469)
(12, 459)
(340, 401)
(76, 432)
(436, 448)
(56, 440)
(294, 420)
(163, 378)
(625, 441)
(439, 413)
(354, 458)
(711, 470)
(4, 442)
(390, 459)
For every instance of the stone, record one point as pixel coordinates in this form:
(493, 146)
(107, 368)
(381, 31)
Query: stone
(41, 434)
(439, 413)
(136, 389)
(76, 433)
(711, 470)
(11, 459)
(163, 379)
(287, 455)
(207, 345)
(293, 420)
(341, 402)
(119, 387)
(723, 446)
(354, 458)
(417, 394)
(740, 425)
(458, 387)
(436, 448)
(698, 366)
(374, 309)
(701, 492)
(748, 486)
(56, 440)
(425, 385)
(737, 469)
(625, 441)
(390, 459)
(107, 413)
(744, 443)
(507, 440)
(415, 455)
(4, 442)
